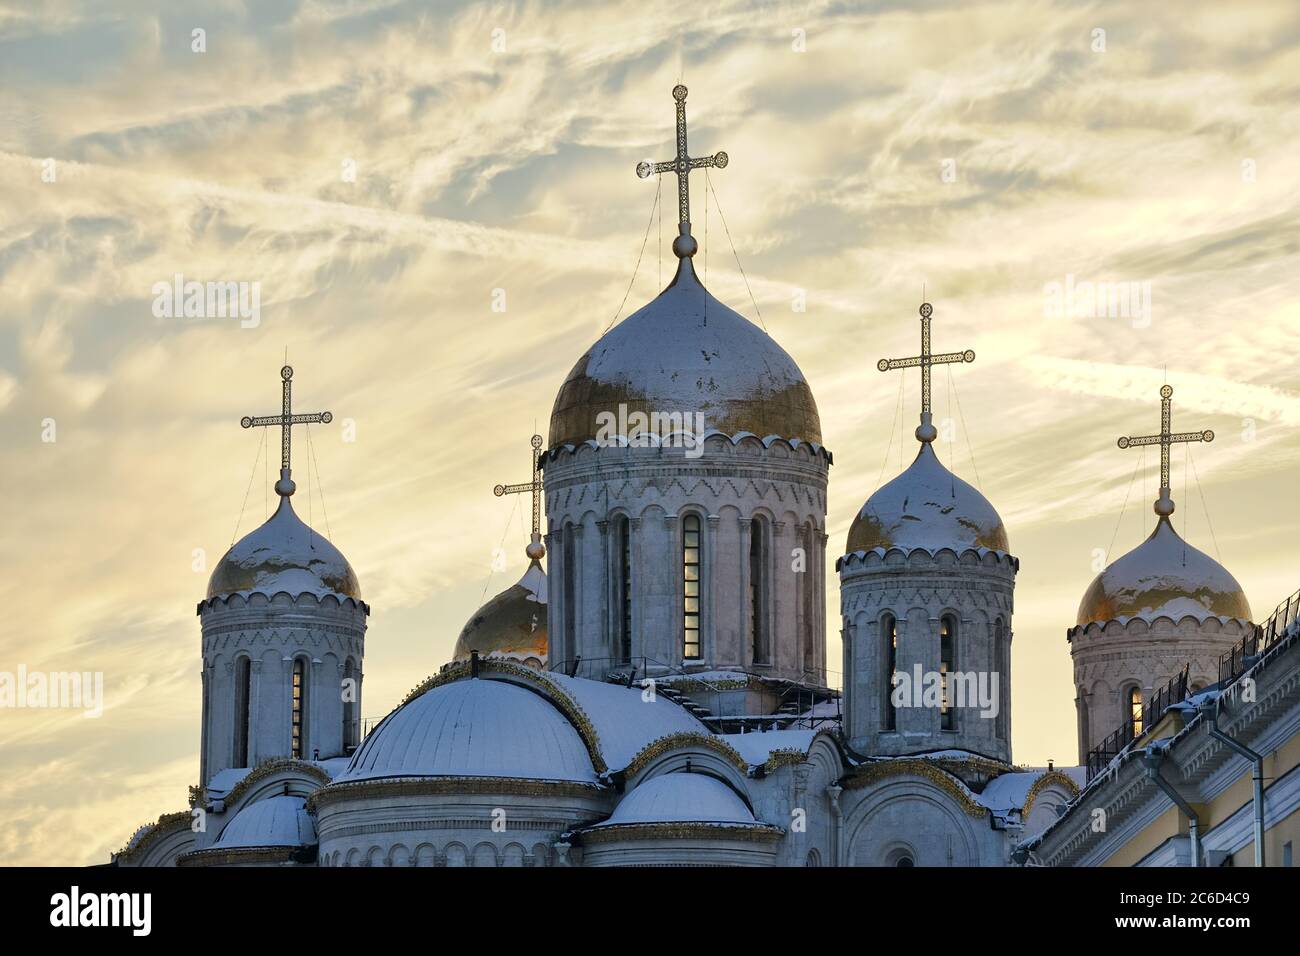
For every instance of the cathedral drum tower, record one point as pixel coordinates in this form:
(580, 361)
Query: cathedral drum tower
(685, 486)
(1161, 607)
(926, 589)
(283, 635)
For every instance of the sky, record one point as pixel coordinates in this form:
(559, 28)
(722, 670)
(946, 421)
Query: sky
(439, 207)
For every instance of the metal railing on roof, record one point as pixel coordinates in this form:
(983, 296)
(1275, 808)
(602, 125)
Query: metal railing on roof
(1282, 623)
(1100, 757)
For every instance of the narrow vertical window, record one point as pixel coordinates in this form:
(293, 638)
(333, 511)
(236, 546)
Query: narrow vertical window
(243, 679)
(809, 601)
(1135, 710)
(947, 644)
(570, 588)
(1002, 654)
(757, 592)
(623, 541)
(350, 692)
(889, 639)
(691, 587)
(298, 692)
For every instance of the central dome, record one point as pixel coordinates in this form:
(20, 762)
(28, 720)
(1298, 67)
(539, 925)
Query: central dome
(927, 507)
(686, 352)
(1164, 576)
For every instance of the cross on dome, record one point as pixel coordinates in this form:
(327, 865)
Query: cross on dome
(535, 549)
(1164, 505)
(285, 486)
(926, 432)
(684, 246)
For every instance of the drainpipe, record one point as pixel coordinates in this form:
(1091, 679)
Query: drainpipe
(837, 819)
(1210, 710)
(1151, 759)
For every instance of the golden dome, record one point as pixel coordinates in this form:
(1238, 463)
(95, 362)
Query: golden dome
(512, 624)
(927, 507)
(284, 554)
(686, 352)
(1164, 576)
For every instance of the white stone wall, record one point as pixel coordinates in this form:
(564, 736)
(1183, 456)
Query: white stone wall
(1112, 658)
(453, 829)
(588, 488)
(918, 590)
(271, 632)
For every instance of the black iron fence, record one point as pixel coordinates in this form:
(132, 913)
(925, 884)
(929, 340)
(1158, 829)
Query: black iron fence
(1174, 692)
(1282, 623)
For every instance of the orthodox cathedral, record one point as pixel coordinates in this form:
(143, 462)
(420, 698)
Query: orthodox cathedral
(658, 695)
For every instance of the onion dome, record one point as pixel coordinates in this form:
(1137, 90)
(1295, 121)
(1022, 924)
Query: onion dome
(682, 798)
(284, 554)
(927, 507)
(685, 353)
(275, 821)
(1163, 577)
(474, 728)
(512, 624)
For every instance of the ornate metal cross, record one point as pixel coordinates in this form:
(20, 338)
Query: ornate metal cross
(285, 486)
(535, 549)
(926, 432)
(1164, 505)
(684, 246)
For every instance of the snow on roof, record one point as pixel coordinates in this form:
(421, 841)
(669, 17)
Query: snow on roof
(275, 821)
(756, 747)
(1008, 791)
(1164, 576)
(930, 508)
(681, 798)
(284, 554)
(474, 727)
(624, 721)
(223, 781)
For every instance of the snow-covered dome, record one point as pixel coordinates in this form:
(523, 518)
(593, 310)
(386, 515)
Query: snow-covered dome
(474, 728)
(928, 507)
(512, 624)
(284, 554)
(686, 352)
(1163, 577)
(275, 821)
(681, 798)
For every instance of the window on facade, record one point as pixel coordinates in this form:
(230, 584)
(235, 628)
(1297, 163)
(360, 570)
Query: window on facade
(1135, 709)
(809, 602)
(350, 691)
(691, 587)
(889, 638)
(1002, 655)
(243, 681)
(623, 585)
(570, 611)
(757, 593)
(947, 643)
(298, 696)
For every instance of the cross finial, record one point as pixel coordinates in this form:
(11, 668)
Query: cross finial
(1164, 505)
(535, 550)
(926, 432)
(285, 486)
(684, 246)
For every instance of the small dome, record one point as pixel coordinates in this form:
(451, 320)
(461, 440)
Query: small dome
(681, 798)
(512, 624)
(474, 728)
(686, 352)
(275, 821)
(284, 555)
(1164, 576)
(928, 507)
